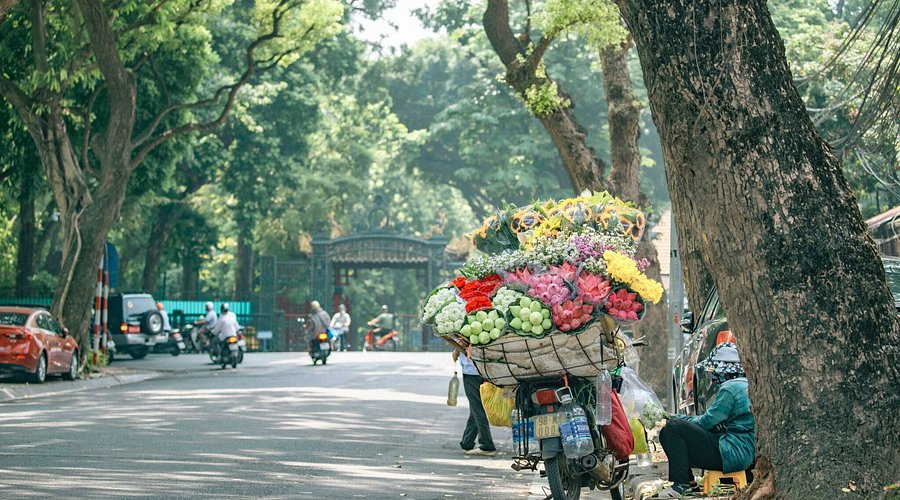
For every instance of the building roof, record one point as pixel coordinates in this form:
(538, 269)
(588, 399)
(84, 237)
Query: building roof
(882, 218)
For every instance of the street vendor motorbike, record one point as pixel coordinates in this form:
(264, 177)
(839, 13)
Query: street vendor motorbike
(537, 418)
(379, 339)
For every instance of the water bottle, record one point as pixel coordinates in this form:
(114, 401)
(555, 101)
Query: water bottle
(522, 433)
(603, 410)
(453, 390)
(574, 431)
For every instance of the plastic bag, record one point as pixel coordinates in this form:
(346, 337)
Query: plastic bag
(498, 404)
(635, 394)
(619, 438)
(640, 436)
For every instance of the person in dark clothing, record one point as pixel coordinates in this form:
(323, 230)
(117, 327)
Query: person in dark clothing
(477, 425)
(723, 438)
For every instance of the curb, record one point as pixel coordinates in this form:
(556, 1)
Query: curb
(32, 391)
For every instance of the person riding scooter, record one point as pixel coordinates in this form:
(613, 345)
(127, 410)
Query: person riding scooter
(226, 326)
(382, 335)
(204, 326)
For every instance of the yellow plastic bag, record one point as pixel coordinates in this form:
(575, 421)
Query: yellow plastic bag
(640, 437)
(497, 404)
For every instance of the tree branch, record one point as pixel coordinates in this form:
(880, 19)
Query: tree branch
(19, 100)
(144, 144)
(496, 26)
(86, 136)
(120, 85)
(5, 7)
(38, 35)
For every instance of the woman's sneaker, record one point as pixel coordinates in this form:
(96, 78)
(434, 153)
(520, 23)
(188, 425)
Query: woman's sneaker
(480, 452)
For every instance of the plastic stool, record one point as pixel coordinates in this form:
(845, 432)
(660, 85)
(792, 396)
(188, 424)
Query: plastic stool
(714, 478)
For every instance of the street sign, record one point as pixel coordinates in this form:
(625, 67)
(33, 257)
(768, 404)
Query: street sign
(264, 334)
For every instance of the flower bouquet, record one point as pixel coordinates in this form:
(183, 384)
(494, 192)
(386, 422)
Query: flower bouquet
(558, 274)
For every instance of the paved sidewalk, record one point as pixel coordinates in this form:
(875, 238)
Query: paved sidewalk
(13, 389)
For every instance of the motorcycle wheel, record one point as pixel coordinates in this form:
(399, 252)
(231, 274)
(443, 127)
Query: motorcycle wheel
(234, 361)
(240, 356)
(563, 484)
(325, 360)
(390, 345)
(175, 351)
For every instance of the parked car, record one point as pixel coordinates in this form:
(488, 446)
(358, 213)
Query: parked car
(33, 343)
(135, 324)
(695, 390)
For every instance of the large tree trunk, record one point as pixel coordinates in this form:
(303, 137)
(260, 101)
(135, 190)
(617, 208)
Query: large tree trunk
(25, 257)
(166, 217)
(762, 196)
(624, 114)
(243, 271)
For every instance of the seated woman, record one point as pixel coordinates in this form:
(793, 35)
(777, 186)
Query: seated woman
(723, 438)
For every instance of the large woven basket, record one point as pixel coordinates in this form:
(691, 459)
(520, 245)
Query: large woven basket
(509, 359)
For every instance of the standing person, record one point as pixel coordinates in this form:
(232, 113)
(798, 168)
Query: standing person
(477, 425)
(167, 327)
(340, 324)
(723, 438)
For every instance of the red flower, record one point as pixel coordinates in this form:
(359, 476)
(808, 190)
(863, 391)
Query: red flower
(459, 283)
(479, 302)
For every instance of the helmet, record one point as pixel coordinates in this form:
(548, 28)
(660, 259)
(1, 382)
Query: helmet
(225, 307)
(315, 305)
(384, 308)
(160, 306)
(342, 308)
(209, 306)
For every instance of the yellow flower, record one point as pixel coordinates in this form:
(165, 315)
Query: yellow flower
(624, 270)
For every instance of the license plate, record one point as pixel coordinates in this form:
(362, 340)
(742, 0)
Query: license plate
(233, 347)
(547, 426)
(181, 345)
(324, 346)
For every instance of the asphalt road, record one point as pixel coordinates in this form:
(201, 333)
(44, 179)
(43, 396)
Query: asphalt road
(367, 425)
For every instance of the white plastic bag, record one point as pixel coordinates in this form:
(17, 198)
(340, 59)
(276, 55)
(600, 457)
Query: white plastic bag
(635, 394)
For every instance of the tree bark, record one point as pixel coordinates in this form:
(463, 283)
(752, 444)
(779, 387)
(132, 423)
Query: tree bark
(764, 199)
(25, 256)
(167, 215)
(586, 170)
(243, 272)
(624, 114)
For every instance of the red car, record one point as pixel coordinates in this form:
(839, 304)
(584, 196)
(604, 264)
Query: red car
(33, 343)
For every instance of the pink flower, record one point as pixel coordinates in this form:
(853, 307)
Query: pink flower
(572, 314)
(567, 271)
(549, 289)
(593, 288)
(624, 305)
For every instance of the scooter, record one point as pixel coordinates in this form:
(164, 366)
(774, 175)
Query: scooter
(538, 403)
(320, 348)
(379, 340)
(229, 352)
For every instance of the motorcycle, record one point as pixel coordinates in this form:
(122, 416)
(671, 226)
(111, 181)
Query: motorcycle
(319, 344)
(229, 352)
(187, 336)
(240, 347)
(380, 340)
(538, 402)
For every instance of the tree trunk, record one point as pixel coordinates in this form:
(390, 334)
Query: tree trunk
(189, 267)
(763, 198)
(243, 272)
(25, 257)
(166, 217)
(582, 163)
(624, 114)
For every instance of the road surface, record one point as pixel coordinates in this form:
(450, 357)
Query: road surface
(367, 425)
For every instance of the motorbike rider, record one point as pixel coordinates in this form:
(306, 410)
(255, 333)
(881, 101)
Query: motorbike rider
(226, 326)
(205, 325)
(319, 318)
(167, 327)
(340, 324)
(383, 323)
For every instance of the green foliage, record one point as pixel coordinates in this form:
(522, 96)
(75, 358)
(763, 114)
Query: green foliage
(544, 99)
(598, 21)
